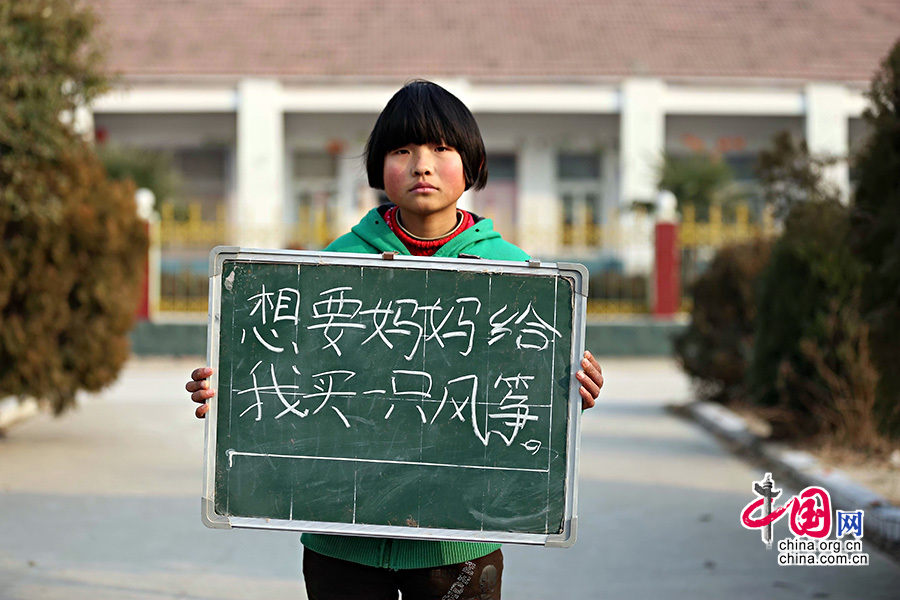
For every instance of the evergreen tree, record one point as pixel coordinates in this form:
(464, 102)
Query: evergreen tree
(876, 232)
(810, 363)
(72, 244)
(699, 180)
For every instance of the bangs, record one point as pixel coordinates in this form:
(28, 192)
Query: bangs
(420, 121)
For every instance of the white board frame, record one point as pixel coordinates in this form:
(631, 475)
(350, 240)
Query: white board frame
(577, 272)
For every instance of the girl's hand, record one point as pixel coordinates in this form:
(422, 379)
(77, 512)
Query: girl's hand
(591, 378)
(199, 388)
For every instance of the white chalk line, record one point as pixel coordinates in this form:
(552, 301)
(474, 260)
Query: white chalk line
(232, 453)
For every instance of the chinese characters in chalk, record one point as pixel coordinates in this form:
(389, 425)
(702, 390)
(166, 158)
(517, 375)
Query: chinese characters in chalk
(505, 413)
(498, 409)
(339, 310)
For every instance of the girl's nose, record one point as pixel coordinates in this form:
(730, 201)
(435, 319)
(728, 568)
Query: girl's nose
(422, 164)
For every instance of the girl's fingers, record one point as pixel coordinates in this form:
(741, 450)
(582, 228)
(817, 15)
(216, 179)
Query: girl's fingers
(202, 395)
(199, 388)
(201, 411)
(201, 373)
(196, 386)
(588, 385)
(591, 379)
(587, 400)
(592, 370)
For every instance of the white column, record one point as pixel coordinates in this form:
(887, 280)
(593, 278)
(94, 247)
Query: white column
(827, 131)
(539, 212)
(642, 128)
(260, 164)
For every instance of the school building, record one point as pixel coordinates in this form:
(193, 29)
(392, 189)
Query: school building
(265, 107)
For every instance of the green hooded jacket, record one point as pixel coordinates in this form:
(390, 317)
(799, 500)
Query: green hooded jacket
(373, 236)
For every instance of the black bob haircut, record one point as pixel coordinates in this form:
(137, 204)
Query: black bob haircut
(422, 112)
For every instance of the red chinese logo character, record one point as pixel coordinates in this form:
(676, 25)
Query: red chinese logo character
(811, 513)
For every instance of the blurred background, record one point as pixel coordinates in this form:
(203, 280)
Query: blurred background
(262, 112)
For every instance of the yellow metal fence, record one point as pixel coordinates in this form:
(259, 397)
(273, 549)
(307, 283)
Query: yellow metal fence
(619, 253)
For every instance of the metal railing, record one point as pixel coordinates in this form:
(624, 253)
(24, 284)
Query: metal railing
(700, 239)
(619, 252)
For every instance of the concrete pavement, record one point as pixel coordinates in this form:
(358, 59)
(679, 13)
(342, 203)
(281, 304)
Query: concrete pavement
(104, 503)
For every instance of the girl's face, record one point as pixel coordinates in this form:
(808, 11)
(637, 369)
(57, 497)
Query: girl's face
(425, 181)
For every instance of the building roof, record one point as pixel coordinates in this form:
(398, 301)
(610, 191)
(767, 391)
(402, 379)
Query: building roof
(822, 40)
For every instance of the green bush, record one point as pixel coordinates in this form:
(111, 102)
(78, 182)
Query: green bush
(876, 234)
(70, 276)
(151, 169)
(49, 66)
(700, 180)
(807, 308)
(716, 347)
(789, 175)
(72, 253)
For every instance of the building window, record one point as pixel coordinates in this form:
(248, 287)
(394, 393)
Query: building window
(205, 179)
(580, 182)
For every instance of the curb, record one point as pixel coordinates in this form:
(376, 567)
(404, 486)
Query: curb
(882, 519)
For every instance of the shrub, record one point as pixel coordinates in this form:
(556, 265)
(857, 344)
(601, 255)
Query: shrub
(876, 234)
(70, 276)
(151, 169)
(699, 180)
(72, 244)
(49, 66)
(716, 347)
(807, 315)
(789, 175)
(843, 400)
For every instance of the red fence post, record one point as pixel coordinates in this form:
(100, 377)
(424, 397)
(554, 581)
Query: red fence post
(667, 280)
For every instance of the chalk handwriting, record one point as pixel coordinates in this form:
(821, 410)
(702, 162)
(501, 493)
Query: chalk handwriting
(498, 412)
(505, 412)
(532, 334)
(339, 311)
(389, 322)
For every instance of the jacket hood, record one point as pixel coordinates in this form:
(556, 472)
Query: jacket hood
(373, 236)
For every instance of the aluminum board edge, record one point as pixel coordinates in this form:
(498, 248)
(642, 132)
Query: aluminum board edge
(210, 518)
(581, 270)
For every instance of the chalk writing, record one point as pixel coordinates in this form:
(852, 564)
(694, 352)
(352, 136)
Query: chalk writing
(531, 334)
(339, 312)
(506, 411)
(288, 329)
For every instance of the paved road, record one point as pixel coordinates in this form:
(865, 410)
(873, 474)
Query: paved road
(104, 504)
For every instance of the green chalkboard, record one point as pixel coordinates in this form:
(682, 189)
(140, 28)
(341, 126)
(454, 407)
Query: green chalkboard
(394, 396)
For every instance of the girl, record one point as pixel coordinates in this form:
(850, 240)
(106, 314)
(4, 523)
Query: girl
(424, 152)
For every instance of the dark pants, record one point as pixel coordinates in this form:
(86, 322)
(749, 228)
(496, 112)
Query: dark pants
(334, 579)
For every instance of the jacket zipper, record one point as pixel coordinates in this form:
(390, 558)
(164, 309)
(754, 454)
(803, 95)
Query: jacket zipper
(386, 553)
